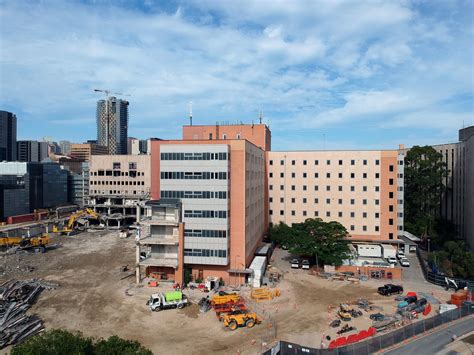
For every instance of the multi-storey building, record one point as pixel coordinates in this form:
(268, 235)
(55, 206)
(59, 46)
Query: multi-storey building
(456, 202)
(221, 185)
(363, 190)
(32, 151)
(65, 147)
(84, 151)
(112, 124)
(7, 136)
(119, 185)
(133, 146)
(78, 185)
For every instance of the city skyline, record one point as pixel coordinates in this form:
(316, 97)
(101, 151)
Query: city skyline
(326, 75)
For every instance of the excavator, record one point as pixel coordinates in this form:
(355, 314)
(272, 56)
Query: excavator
(39, 242)
(71, 225)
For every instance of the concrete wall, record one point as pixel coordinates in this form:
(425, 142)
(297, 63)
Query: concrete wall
(320, 184)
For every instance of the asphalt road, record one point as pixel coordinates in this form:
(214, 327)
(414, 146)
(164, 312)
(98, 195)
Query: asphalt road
(435, 341)
(413, 273)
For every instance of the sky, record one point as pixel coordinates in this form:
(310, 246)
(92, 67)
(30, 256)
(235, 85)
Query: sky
(326, 74)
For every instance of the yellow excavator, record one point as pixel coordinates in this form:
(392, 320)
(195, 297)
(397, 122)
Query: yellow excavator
(71, 225)
(40, 242)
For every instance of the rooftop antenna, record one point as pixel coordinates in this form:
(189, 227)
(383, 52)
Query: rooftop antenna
(190, 113)
(260, 116)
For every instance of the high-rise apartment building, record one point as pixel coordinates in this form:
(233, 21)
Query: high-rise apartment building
(32, 151)
(112, 124)
(65, 147)
(7, 136)
(363, 190)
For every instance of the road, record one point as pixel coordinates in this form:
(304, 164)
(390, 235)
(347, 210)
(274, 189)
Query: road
(434, 342)
(413, 273)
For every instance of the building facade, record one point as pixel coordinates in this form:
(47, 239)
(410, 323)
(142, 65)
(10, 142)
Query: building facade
(133, 146)
(112, 124)
(84, 151)
(78, 185)
(221, 185)
(14, 189)
(363, 190)
(65, 147)
(8, 124)
(32, 151)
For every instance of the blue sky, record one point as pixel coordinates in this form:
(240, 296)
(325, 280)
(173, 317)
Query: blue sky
(327, 74)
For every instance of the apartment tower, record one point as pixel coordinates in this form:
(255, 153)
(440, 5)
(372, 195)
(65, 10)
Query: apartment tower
(112, 124)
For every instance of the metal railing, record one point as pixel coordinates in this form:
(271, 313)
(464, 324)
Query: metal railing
(380, 342)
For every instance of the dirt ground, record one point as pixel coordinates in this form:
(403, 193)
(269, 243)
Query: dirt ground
(94, 299)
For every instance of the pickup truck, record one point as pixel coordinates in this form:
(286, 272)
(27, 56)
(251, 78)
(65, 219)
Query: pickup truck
(390, 289)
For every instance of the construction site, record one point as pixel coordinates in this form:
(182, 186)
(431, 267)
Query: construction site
(90, 284)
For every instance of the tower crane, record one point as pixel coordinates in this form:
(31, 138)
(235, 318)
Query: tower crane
(107, 92)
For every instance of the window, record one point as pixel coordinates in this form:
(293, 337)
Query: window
(282, 212)
(282, 162)
(364, 228)
(328, 201)
(293, 200)
(304, 188)
(340, 175)
(377, 215)
(224, 136)
(271, 162)
(364, 214)
(316, 200)
(304, 175)
(352, 228)
(328, 175)
(364, 201)
(377, 228)
(238, 136)
(352, 175)
(364, 188)
(353, 162)
(293, 175)
(328, 214)
(390, 235)
(132, 166)
(353, 188)
(304, 162)
(390, 181)
(377, 188)
(390, 168)
(210, 136)
(293, 162)
(293, 187)
(282, 200)
(316, 175)
(377, 162)
(340, 162)
(377, 202)
(304, 213)
(304, 200)
(339, 201)
(340, 188)
(390, 194)
(352, 214)
(328, 162)
(390, 221)
(352, 201)
(270, 175)
(115, 165)
(328, 187)
(293, 213)
(316, 213)
(270, 199)
(377, 175)
(270, 187)
(364, 175)
(282, 175)
(339, 214)
(316, 187)
(316, 162)
(390, 208)
(365, 162)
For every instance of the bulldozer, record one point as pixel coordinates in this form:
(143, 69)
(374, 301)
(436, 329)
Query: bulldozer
(233, 321)
(72, 222)
(345, 312)
(39, 242)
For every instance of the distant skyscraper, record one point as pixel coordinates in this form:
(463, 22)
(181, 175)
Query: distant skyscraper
(32, 151)
(7, 136)
(65, 147)
(112, 124)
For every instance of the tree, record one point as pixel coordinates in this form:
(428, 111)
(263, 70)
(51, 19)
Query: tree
(454, 260)
(59, 342)
(424, 173)
(325, 240)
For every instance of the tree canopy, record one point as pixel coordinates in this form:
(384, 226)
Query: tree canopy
(424, 173)
(313, 237)
(59, 342)
(454, 260)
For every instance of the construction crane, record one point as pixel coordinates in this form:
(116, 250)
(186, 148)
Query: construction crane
(107, 93)
(71, 225)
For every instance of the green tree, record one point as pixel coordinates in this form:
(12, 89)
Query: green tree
(325, 240)
(424, 172)
(454, 260)
(59, 342)
(115, 345)
(55, 342)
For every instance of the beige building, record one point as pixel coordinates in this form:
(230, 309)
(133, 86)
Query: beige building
(84, 151)
(363, 190)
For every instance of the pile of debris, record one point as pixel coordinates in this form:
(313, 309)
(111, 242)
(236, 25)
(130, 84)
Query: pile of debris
(16, 297)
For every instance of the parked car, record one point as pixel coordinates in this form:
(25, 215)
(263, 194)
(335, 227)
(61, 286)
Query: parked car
(404, 262)
(391, 260)
(400, 254)
(284, 247)
(377, 317)
(390, 289)
(295, 263)
(305, 264)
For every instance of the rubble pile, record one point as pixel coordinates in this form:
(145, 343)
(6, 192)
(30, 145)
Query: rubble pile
(16, 297)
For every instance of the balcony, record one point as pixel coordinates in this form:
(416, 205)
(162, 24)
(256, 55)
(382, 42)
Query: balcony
(160, 261)
(160, 240)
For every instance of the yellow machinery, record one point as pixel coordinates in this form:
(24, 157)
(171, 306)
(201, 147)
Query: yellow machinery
(233, 321)
(71, 224)
(25, 242)
(263, 294)
(345, 312)
(218, 300)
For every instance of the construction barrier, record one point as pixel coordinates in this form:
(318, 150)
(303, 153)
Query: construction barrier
(263, 294)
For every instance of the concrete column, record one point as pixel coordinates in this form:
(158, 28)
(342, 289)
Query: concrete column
(138, 213)
(137, 262)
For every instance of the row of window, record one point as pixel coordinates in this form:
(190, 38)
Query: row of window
(117, 173)
(205, 233)
(114, 182)
(204, 214)
(205, 253)
(194, 156)
(340, 161)
(114, 192)
(340, 201)
(189, 175)
(194, 194)
(328, 188)
(339, 175)
(340, 214)
(131, 165)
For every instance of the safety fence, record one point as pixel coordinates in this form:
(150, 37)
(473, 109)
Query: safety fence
(380, 342)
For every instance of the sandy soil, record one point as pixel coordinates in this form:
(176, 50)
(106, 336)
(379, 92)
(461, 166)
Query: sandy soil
(92, 299)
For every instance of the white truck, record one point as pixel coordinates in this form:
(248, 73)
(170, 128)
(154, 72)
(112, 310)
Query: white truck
(174, 299)
(389, 253)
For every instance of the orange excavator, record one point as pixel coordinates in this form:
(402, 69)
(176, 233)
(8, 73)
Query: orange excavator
(71, 225)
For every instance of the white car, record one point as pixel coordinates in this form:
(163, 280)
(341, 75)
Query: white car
(305, 264)
(400, 254)
(391, 260)
(404, 262)
(295, 264)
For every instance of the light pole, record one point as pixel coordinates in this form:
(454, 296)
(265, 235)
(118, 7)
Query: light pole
(236, 267)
